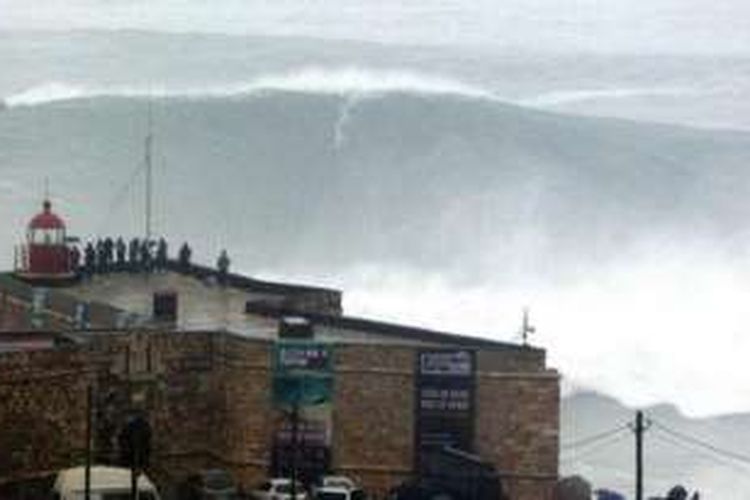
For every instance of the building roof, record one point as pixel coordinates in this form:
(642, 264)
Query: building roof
(248, 284)
(244, 305)
(386, 329)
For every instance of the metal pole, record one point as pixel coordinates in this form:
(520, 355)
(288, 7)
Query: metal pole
(133, 482)
(149, 162)
(639, 455)
(87, 475)
(134, 466)
(295, 424)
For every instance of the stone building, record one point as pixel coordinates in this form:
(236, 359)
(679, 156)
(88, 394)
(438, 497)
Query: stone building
(200, 354)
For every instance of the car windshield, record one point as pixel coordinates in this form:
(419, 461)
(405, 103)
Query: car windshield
(331, 495)
(340, 482)
(115, 495)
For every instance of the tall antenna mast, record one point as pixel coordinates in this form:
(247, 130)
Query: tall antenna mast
(526, 327)
(149, 167)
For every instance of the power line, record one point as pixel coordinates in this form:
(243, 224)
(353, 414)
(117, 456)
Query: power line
(593, 438)
(120, 196)
(691, 448)
(698, 442)
(147, 167)
(575, 455)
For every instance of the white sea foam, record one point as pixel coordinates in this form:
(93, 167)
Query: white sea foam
(48, 92)
(343, 81)
(573, 96)
(343, 119)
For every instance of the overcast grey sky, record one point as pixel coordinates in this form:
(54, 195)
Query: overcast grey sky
(685, 26)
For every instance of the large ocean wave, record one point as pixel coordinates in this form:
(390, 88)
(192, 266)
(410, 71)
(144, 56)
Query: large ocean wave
(344, 81)
(617, 227)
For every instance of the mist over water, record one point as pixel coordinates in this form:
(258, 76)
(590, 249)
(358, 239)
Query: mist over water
(607, 26)
(435, 189)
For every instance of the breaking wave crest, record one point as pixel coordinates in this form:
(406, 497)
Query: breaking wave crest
(563, 97)
(346, 81)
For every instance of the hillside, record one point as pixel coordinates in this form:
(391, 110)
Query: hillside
(673, 453)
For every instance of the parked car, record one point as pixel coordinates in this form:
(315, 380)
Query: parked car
(279, 488)
(337, 481)
(339, 493)
(210, 484)
(107, 483)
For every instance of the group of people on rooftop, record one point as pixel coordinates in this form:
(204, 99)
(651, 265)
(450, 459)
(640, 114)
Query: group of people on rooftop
(106, 255)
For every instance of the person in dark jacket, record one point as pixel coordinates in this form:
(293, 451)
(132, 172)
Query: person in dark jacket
(133, 252)
(75, 259)
(146, 257)
(120, 250)
(108, 247)
(677, 492)
(161, 254)
(184, 257)
(89, 259)
(99, 255)
(222, 265)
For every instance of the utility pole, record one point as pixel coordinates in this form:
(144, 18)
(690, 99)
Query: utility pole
(639, 428)
(89, 425)
(294, 438)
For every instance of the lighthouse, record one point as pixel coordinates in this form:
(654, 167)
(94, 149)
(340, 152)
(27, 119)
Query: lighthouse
(46, 256)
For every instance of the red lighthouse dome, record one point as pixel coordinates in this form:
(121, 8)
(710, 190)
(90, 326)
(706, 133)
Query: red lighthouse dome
(46, 219)
(46, 255)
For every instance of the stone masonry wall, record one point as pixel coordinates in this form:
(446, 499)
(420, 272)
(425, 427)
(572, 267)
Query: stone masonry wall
(42, 412)
(373, 419)
(247, 420)
(208, 398)
(516, 417)
(517, 430)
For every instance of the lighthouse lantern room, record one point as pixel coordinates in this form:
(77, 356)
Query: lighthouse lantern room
(45, 256)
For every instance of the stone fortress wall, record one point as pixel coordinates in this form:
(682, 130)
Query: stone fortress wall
(207, 396)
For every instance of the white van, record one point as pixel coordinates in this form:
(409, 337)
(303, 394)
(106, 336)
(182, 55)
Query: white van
(107, 483)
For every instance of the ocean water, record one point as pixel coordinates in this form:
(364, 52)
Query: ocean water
(448, 188)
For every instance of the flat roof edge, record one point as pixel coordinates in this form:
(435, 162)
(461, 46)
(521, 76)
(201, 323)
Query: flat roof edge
(390, 329)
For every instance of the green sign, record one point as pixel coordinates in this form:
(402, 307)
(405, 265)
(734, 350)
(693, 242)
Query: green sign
(302, 373)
